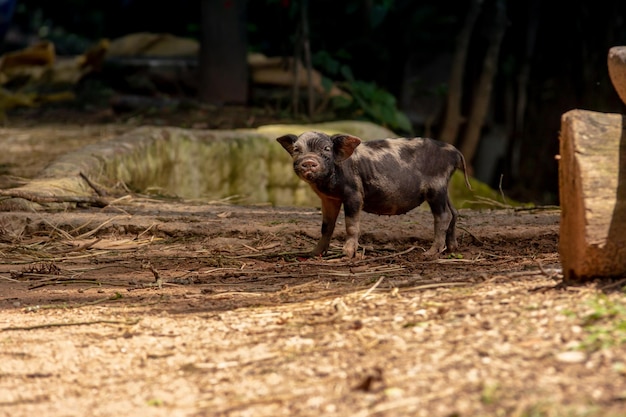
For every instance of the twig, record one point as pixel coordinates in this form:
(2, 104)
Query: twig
(438, 285)
(393, 255)
(614, 284)
(62, 258)
(93, 231)
(486, 200)
(82, 247)
(472, 235)
(454, 261)
(538, 208)
(115, 297)
(146, 231)
(98, 191)
(502, 192)
(158, 281)
(546, 273)
(73, 281)
(250, 247)
(288, 289)
(9, 279)
(268, 254)
(78, 323)
(364, 273)
(372, 288)
(63, 233)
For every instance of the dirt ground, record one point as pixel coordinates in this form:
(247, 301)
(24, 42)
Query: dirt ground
(172, 308)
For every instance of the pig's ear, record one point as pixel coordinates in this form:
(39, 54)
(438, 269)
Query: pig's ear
(344, 145)
(287, 142)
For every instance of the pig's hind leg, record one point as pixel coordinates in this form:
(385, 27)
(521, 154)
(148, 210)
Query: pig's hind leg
(451, 242)
(444, 219)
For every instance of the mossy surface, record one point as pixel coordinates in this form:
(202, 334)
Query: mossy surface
(216, 164)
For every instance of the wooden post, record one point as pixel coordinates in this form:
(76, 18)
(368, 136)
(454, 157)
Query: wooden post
(617, 70)
(592, 187)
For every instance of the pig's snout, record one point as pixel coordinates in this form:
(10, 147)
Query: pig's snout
(309, 165)
(308, 168)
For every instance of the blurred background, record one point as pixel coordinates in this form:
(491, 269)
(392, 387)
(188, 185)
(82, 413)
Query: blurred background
(493, 77)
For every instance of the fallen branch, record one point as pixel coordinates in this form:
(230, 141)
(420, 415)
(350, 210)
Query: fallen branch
(62, 258)
(393, 255)
(93, 201)
(269, 255)
(546, 273)
(94, 231)
(78, 323)
(64, 306)
(9, 279)
(82, 247)
(158, 280)
(438, 285)
(97, 189)
(473, 236)
(72, 281)
(613, 285)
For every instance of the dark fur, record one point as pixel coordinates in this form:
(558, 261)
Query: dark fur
(386, 176)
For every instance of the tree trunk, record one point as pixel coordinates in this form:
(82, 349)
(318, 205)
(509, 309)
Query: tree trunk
(482, 95)
(223, 52)
(303, 54)
(306, 47)
(453, 117)
(592, 186)
(518, 122)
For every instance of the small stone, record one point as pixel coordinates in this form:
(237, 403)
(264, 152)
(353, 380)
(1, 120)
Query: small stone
(571, 356)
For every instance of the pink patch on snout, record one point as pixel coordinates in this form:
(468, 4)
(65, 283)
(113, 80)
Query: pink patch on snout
(308, 168)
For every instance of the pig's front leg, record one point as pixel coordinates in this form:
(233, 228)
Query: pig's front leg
(352, 211)
(330, 211)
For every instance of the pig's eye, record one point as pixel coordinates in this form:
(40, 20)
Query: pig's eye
(296, 149)
(327, 148)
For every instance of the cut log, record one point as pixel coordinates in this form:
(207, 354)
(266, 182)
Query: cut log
(592, 187)
(617, 70)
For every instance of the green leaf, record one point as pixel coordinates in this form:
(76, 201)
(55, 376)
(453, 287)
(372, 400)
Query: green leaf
(378, 14)
(403, 122)
(327, 83)
(347, 73)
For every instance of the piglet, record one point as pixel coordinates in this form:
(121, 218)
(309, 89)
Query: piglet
(386, 176)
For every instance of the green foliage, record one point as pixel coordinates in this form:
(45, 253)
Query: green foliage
(605, 324)
(367, 100)
(378, 10)
(375, 104)
(155, 402)
(490, 393)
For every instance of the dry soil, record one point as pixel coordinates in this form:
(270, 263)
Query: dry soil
(171, 308)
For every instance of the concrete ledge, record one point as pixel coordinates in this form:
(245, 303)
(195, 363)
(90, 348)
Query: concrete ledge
(196, 164)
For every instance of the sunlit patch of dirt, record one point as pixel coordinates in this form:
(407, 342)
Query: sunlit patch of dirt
(157, 308)
(161, 308)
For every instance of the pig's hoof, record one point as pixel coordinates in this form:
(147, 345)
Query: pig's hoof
(349, 249)
(452, 246)
(433, 253)
(356, 257)
(347, 256)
